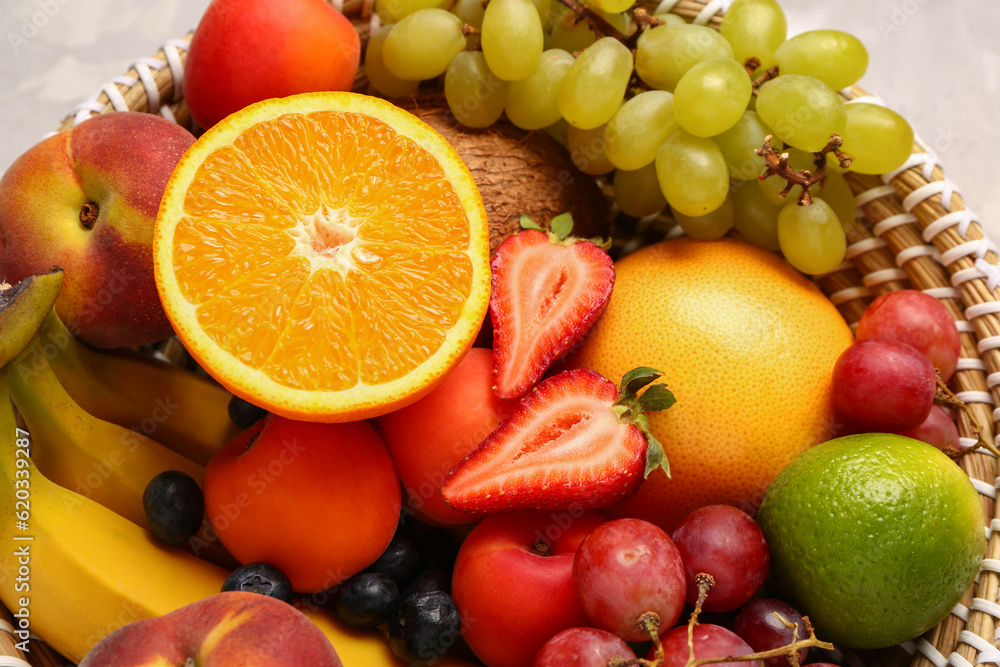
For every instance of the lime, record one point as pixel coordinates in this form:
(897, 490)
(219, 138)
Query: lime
(875, 537)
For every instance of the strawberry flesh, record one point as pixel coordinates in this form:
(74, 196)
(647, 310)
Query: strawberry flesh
(562, 446)
(547, 294)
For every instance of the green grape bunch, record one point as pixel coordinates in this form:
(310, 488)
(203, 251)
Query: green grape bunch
(739, 130)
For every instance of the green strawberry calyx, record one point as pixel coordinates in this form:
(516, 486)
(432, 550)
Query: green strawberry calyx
(560, 231)
(631, 408)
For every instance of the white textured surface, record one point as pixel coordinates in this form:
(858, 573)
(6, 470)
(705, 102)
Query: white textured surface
(934, 61)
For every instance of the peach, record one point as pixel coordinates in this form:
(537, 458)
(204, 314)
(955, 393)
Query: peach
(233, 629)
(86, 200)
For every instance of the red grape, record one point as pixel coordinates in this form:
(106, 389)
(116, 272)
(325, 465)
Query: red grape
(938, 430)
(917, 319)
(883, 386)
(625, 568)
(582, 647)
(710, 641)
(757, 625)
(726, 543)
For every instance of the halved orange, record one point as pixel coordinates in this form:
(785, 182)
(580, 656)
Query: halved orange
(324, 256)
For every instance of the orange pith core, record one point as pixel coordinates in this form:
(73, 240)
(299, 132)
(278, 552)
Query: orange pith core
(325, 250)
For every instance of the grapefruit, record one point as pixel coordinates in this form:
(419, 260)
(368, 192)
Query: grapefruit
(747, 345)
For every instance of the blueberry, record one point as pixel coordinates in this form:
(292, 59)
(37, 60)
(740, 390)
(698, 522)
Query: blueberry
(174, 506)
(401, 561)
(365, 600)
(423, 627)
(429, 580)
(262, 578)
(243, 413)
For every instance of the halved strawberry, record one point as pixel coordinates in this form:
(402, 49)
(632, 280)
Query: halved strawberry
(548, 290)
(574, 441)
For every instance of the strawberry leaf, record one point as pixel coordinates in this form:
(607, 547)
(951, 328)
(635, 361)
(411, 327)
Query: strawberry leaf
(637, 378)
(562, 225)
(528, 223)
(655, 456)
(657, 397)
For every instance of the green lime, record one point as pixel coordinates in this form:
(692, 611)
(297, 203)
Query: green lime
(875, 537)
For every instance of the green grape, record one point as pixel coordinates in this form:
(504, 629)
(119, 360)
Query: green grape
(878, 139)
(664, 53)
(470, 11)
(637, 192)
(381, 79)
(512, 38)
(559, 131)
(772, 186)
(545, 12)
(475, 95)
(711, 96)
(586, 148)
(754, 28)
(802, 111)
(811, 237)
(532, 102)
(754, 217)
(669, 18)
(837, 193)
(393, 11)
(710, 226)
(422, 44)
(635, 132)
(836, 58)
(739, 142)
(575, 36)
(613, 6)
(692, 174)
(595, 85)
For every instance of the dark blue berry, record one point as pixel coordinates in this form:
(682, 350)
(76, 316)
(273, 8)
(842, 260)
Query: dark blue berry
(365, 600)
(429, 580)
(400, 561)
(174, 506)
(423, 627)
(262, 578)
(243, 413)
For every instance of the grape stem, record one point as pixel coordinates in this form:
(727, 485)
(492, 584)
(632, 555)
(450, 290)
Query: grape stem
(599, 24)
(776, 164)
(944, 396)
(770, 73)
(650, 622)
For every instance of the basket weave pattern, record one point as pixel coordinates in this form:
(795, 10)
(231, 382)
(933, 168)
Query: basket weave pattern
(913, 231)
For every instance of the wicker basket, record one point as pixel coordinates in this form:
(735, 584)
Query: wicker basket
(912, 231)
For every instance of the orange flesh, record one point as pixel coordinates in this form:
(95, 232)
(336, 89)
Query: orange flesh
(338, 258)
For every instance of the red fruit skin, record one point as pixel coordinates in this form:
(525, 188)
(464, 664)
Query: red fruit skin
(318, 501)
(582, 647)
(938, 430)
(710, 641)
(232, 629)
(121, 162)
(430, 437)
(615, 581)
(602, 464)
(726, 543)
(917, 319)
(511, 599)
(545, 298)
(882, 385)
(245, 51)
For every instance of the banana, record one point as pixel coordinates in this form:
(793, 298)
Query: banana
(88, 571)
(184, 411)
(106, 462)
